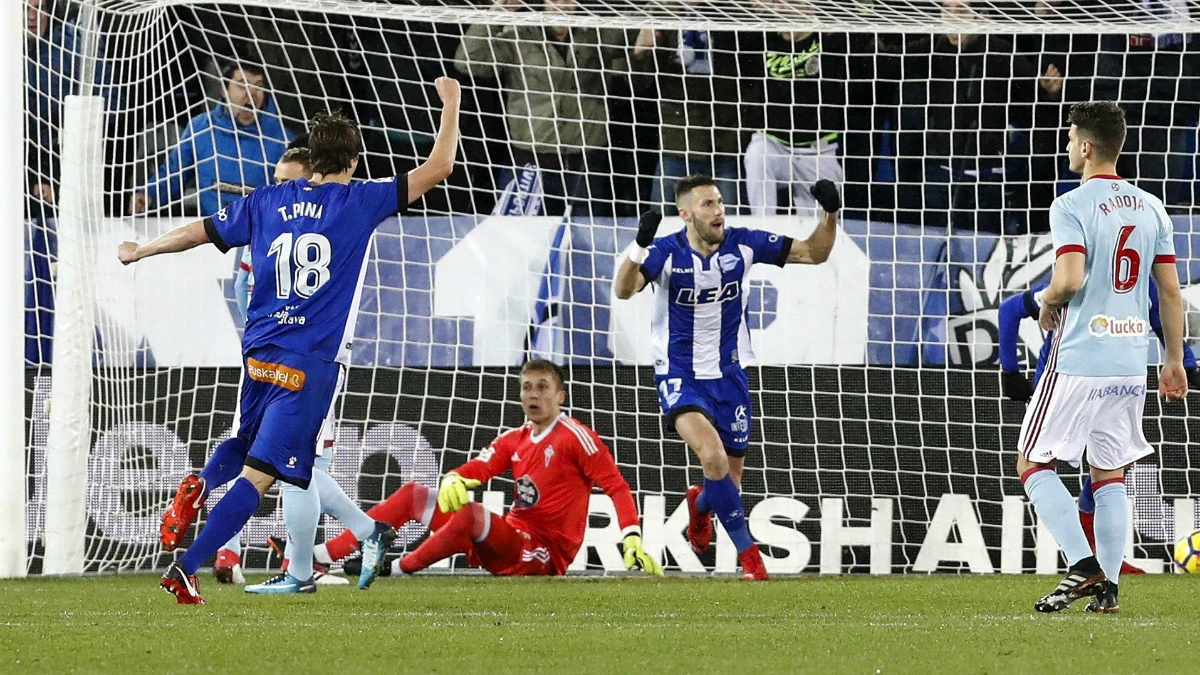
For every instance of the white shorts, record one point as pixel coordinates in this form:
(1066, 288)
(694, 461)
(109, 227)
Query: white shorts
(1073, 413)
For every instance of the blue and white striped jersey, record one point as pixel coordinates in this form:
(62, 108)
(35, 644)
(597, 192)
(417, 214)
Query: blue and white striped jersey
(699, 321)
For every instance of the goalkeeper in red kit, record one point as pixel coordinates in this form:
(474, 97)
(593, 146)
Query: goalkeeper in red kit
(555, 460)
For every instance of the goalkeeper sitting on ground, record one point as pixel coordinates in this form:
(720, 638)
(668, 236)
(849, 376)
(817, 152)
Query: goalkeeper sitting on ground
(555, 461)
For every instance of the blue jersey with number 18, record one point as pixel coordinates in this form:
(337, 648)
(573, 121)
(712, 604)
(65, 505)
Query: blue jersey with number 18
(308, 248)
(1122, 230)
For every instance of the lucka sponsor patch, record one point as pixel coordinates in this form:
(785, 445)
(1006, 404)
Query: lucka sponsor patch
(1102, 325)
(275, 373)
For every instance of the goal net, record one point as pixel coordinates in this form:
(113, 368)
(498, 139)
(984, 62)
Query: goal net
(880, 438)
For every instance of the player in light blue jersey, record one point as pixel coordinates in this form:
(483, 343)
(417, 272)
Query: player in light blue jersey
(702, 343)
(308, 241)
(1110, 237)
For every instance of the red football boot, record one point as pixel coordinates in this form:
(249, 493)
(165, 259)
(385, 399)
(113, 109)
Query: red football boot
(700, 526)
(228, 568)
(753, 568)
(182, 513)
(182, 586)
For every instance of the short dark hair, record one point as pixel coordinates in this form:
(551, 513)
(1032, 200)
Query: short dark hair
(335, 142)
(544, 366)
(1104, 124)
(301, 156)
(689, 183)
(300, 141)
(246, 67)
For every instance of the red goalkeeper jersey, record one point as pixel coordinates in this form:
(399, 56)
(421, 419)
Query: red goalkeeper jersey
(553, 476)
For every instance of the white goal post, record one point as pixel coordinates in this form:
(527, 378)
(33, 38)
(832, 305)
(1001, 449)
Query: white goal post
(881, 440)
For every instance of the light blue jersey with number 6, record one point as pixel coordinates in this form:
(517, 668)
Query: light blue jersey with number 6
(308, 249)
(1123, 231)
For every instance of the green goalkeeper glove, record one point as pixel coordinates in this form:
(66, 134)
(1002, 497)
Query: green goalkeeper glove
(452, 495)
(635, 555)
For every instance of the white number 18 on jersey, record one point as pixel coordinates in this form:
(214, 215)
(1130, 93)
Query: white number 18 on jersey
(312, 254)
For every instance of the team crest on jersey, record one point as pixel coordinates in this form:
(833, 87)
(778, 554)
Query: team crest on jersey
(525, 493)
(549, 453)
(1111, 326)
(728, 262)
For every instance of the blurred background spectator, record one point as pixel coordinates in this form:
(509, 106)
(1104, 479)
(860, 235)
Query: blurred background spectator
(703, 119)
(802, 80)
(224, 152)
(961, 93)
(1156, 79)
(554, 80)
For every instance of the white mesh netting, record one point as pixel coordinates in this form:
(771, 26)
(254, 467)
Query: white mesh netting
(877, 401)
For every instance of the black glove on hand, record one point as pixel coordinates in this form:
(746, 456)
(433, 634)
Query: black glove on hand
(1016, 386)
(1193, 378)
(827, 195)
(648, 227)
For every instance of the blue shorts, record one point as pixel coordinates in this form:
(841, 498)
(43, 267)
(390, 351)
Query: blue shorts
(285, 399)
(725, 402)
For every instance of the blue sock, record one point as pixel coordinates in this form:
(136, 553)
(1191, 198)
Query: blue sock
(225, 464)
(227, 517)
(1087, 502)
(1111, 527)
(702, 501)
(1056, 508)
(726, 502)
(301, 514)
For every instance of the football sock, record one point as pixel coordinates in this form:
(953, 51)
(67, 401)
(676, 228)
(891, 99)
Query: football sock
(226, 518)
(225, 464)
(1055, 507)
(1112, 525)
(1087, 502)
(702, 502)
(234, 544)
(460, 531)
(726, 502)
(338, 504)
(412, 501)
(301, 514)
(321, 555)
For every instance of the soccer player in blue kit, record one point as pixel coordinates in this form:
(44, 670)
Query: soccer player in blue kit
(309, 239)
(701, 341)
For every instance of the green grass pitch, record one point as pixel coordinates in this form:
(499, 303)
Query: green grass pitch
(479, 625)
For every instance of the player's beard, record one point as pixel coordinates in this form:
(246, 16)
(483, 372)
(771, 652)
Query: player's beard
(706, 233)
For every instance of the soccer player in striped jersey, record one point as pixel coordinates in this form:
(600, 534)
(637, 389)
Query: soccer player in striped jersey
(702, 343)
(313, 236)
(554, 459)
(1092, 392)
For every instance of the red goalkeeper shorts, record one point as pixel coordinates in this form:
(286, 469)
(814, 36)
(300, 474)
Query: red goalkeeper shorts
(507, 551)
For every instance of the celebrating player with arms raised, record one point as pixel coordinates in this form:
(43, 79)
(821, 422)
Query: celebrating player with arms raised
(701, 341)
(313, 236)
(555, 460)
(1093, 390)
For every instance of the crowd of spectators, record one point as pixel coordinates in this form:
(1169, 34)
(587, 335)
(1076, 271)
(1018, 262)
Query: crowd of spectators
(959, 130)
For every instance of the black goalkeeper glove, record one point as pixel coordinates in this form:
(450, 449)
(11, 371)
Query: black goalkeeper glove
(647, 228)
(1193, 378)
(827, 195)
(1016, 386)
